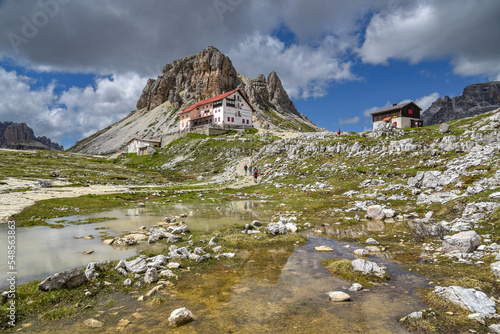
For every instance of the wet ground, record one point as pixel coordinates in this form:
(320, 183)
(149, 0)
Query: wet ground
(272, 291)
(42, 251)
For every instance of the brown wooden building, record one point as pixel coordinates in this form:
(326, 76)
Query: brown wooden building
(404, 115)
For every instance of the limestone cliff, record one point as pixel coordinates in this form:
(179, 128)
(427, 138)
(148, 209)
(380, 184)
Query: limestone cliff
(20, 136)
(211, 73)
(186, 81)
(476, 99)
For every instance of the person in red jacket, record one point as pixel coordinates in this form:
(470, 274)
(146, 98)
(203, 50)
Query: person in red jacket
(255, 174)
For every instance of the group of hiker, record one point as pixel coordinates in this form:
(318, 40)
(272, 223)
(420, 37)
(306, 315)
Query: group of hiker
(251, 171)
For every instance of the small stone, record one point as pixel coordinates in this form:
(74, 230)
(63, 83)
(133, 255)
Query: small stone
(372, 249)
(356, 287)
(494, 328)
(371, 241)
(323, 249)
(137, 315)
(123, 323)
(93, 323)
(361, 252)
(181, 316)
(173, 265)
(87, 252)
(338, 296)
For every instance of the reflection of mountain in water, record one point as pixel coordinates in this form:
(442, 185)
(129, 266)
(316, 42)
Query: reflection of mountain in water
(276, 290)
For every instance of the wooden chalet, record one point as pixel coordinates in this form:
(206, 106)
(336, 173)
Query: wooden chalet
(403, 115)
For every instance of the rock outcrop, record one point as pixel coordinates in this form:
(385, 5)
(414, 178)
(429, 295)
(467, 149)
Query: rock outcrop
(20, 136)
(476, 99)
(210, 73)
(186, 81)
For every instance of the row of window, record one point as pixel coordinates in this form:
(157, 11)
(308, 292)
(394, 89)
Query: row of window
(231, 120)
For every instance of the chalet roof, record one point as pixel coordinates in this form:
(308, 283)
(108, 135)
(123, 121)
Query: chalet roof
(214, 99)
(145, 139)
(396, 107)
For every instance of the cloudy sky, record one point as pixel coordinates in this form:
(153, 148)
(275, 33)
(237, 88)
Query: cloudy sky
(71, 67)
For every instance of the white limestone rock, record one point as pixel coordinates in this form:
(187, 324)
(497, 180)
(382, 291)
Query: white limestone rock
(470, 299)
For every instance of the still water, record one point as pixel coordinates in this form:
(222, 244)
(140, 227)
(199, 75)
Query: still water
(42, 251)
(279, 290)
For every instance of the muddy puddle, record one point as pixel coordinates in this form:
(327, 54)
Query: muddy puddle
(279, 290)
(43, 251)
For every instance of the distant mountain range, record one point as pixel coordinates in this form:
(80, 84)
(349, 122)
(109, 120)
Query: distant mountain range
(186, 81)
(476, 99)
(20, 136)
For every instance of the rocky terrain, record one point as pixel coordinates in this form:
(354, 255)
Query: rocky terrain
(20, 136)
(427, 199)
(186, 81)
(476, 99)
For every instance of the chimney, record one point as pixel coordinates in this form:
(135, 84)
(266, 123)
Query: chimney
(394, 104)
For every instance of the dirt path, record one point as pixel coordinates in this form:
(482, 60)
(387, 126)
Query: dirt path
(13, 199)
(245, 181)
(12, 202)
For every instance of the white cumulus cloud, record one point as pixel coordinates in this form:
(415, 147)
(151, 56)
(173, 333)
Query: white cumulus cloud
(74, 112)
(305, 71)
(428, 30)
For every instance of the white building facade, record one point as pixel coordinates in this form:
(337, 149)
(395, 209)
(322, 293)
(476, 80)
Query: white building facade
(230, 109)
(142, 146)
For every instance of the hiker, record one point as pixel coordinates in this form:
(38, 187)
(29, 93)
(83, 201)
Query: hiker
(338, 132)
(250, 170)
(255, 174)
(246, 169)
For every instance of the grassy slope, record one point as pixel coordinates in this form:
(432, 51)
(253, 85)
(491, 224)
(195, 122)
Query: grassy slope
(341, 171)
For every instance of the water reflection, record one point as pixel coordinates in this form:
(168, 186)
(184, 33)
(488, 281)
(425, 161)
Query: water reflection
(43, 251)
(271, 291)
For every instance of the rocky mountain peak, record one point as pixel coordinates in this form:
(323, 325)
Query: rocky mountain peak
(190, 79)
(475, 99)
(210, 73)
(21, 136)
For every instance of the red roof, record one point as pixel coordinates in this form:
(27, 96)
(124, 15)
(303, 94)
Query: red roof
(387, 119)
(212, 99)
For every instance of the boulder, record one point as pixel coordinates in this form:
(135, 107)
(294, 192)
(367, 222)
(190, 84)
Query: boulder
(181, 316)
(136, 266)
(494, 328)
(444, 128)
(203, 258)
(180, 229)
(213, 242)
(151, 276)
(167, 273)
(276, 228)
(470, 299)
(291, 227)
(495, 267)
(157, 261)
(338, 296)
(90, 271)
(71, 278)
(375, 212)
(173, 265)
(463, 242)
(367, 267)
(256, 223)
(371, 241)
